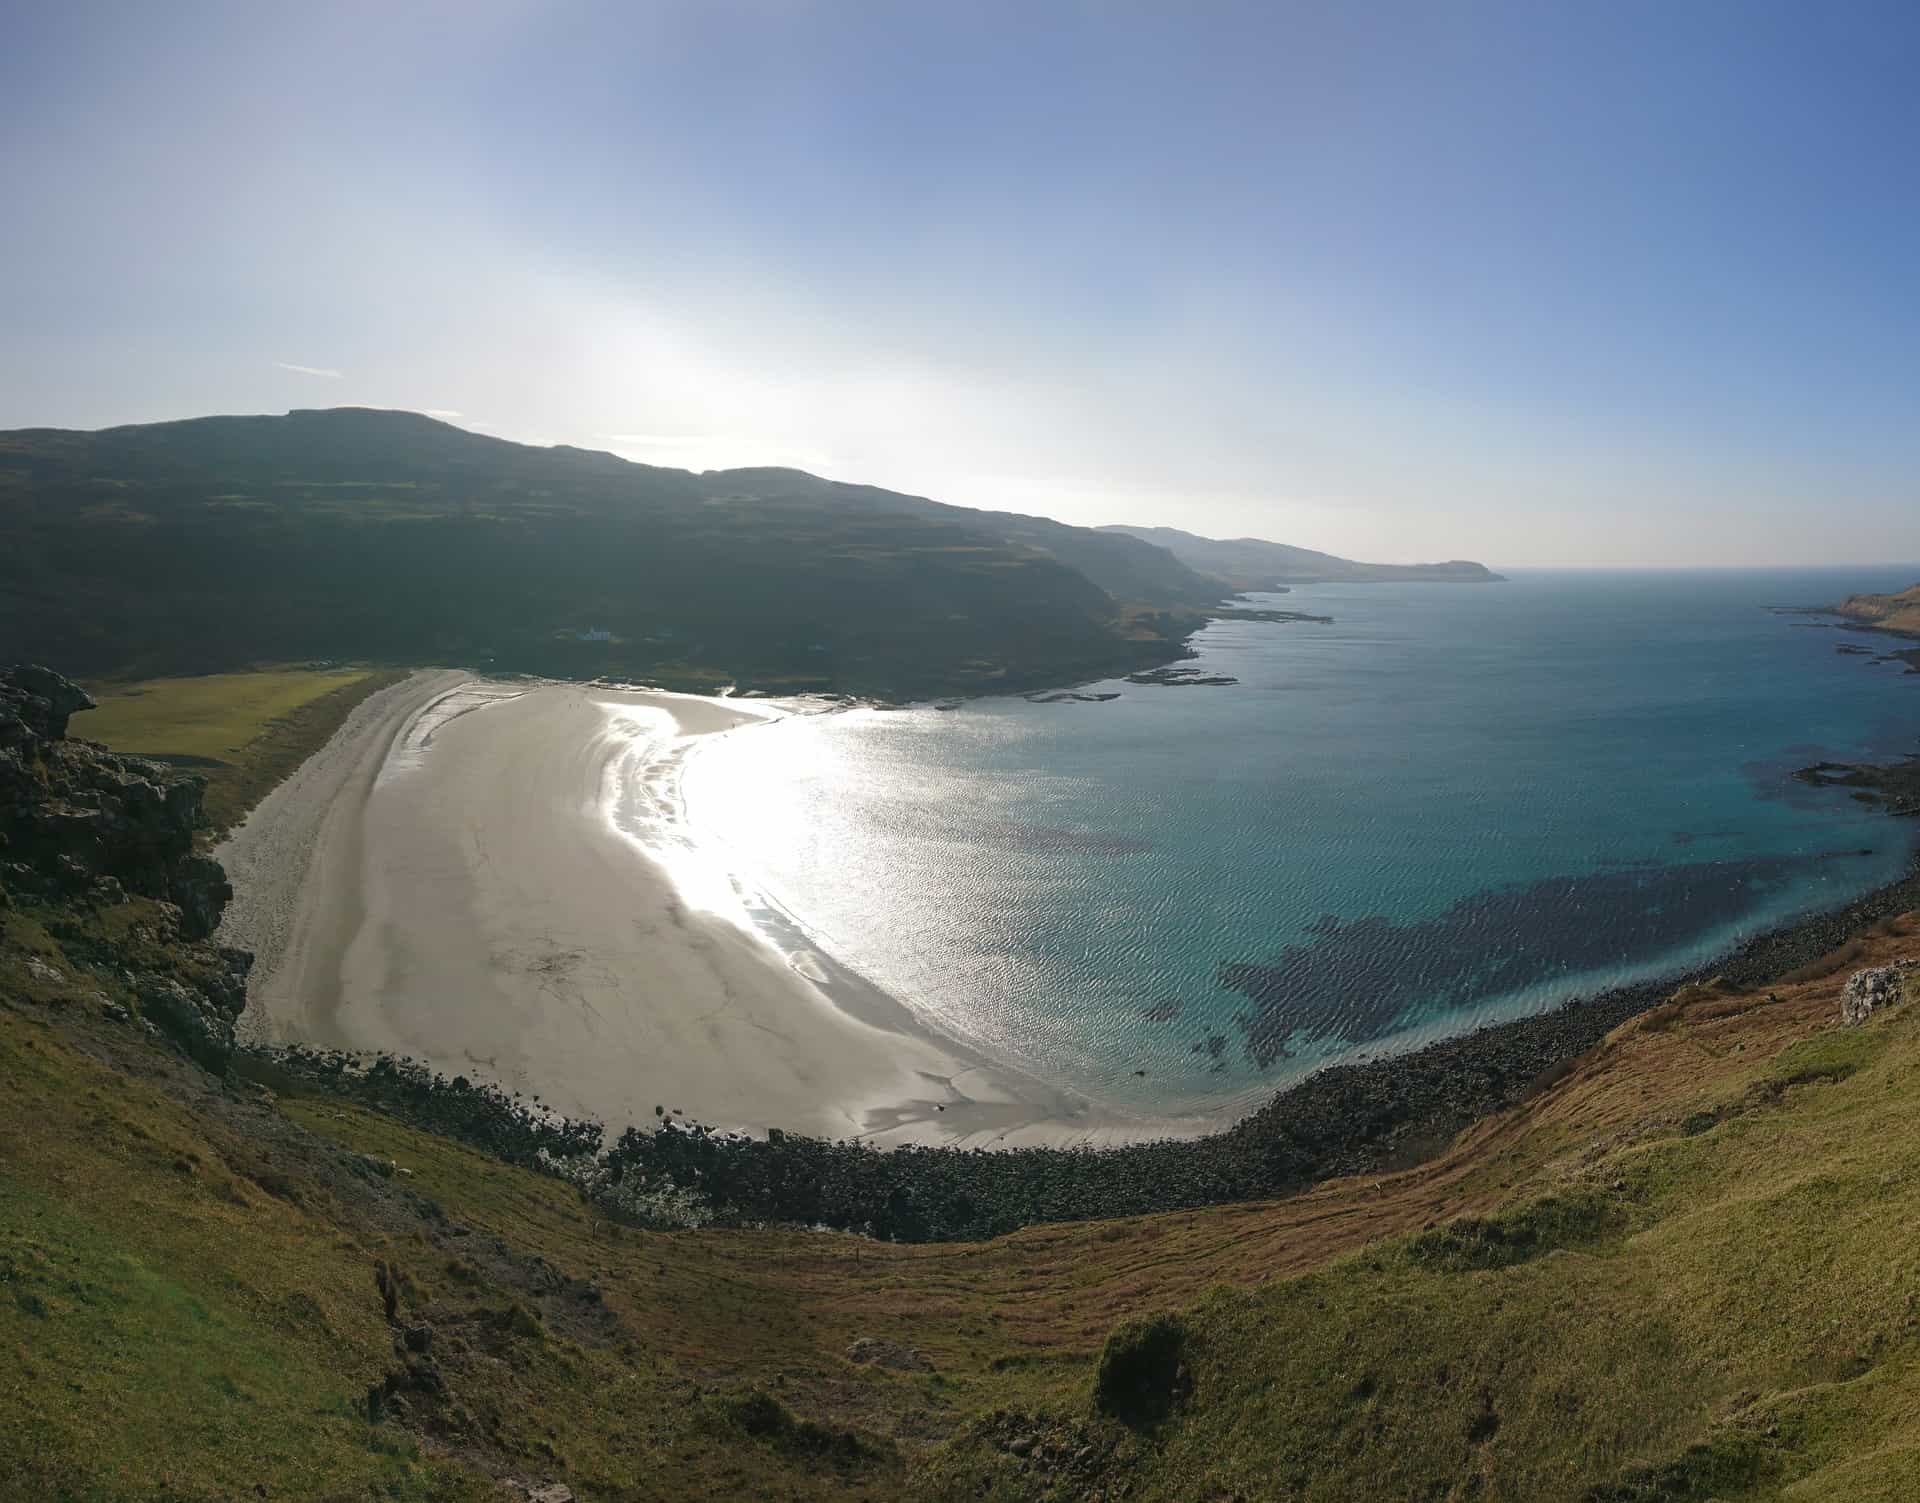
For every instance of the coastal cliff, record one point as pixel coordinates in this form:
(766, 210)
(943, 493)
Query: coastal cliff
(101, 847)
(1896, 613)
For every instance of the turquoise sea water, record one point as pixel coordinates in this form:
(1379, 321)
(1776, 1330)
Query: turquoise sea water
(1453, 804)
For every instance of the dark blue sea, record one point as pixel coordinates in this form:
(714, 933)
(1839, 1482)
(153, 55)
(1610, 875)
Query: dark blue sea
(1454, 804)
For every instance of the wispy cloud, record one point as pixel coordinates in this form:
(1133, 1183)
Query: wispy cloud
(308, 370)
(445, 414)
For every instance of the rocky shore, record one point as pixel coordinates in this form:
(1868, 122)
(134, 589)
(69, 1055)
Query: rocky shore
(1181, 678)
(1243, 613)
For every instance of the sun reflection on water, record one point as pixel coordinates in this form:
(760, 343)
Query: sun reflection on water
(640, 797)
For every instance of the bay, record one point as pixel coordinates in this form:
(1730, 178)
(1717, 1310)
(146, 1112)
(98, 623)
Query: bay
(1449, 806)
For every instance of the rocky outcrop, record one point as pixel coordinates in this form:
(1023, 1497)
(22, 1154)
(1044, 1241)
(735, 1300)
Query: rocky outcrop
(37, 703)
(76, 818)
(199, 1017)
(84, 828)
(1868, 991)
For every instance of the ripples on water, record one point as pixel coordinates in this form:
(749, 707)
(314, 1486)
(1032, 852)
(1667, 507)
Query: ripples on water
(1452, 804)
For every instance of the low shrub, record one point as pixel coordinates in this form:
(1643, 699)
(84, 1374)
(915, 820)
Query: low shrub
(1143, 1372)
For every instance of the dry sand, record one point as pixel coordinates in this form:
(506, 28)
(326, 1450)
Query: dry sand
(483, 876)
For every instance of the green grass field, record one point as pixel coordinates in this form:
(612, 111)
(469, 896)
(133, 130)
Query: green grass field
(214, 717)
(243, 731)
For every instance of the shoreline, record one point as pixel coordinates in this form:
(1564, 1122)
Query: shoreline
(930, 1088)
(1368, 1116)
(520, 915)
(1373, 1117)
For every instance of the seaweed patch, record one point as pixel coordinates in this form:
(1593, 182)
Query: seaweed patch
(1358, 979)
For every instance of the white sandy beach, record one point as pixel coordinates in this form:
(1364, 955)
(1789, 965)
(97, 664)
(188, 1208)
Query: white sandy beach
(447, 879)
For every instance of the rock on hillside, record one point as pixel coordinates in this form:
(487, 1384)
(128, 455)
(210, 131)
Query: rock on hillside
(82, 828)
(1868, 991)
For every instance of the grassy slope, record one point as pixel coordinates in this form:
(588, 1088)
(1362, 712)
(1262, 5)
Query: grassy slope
(1718, 1300)
(254, 728)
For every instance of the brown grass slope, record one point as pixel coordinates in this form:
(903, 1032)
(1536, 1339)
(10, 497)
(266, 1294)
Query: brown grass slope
(1899, 612)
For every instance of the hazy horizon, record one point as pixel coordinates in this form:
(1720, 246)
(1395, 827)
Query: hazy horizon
(1539, 287)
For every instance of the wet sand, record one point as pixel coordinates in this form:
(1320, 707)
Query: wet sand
(449, 878)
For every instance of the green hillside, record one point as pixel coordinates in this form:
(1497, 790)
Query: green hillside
(214, 543)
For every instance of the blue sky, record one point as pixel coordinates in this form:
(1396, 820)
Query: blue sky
(1534, 283)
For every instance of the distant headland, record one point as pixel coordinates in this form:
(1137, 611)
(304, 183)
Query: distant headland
(1896, 613)
(1255, 564)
